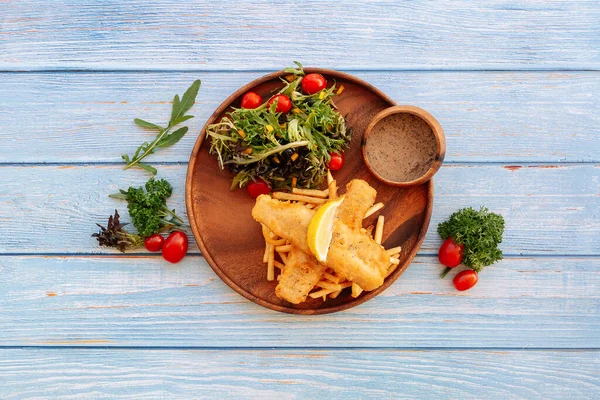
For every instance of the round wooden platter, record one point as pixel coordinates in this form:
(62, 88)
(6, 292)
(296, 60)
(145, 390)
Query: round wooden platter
(232, 242)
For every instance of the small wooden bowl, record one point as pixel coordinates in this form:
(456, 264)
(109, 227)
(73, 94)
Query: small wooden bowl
(438, 133)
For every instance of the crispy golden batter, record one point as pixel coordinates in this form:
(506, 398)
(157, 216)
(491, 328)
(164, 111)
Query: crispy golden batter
(352, 253)
(300, 275)
(287, 220)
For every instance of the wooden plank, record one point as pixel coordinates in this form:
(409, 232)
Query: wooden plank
(287, 374)
(487, 116)
(258, 35)
(549, 209)
(144, 301)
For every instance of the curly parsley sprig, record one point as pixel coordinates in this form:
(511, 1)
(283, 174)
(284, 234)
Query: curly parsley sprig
(479, 231)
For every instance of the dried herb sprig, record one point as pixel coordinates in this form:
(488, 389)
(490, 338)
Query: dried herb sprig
(115, 236)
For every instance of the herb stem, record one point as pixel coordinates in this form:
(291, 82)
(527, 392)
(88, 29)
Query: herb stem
(446, 271)
(149, 149)
(167, 210)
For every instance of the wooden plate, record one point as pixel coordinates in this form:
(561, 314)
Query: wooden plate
(232, 242)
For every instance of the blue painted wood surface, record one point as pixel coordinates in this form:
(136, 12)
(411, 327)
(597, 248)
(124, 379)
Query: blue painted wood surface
(516, 87)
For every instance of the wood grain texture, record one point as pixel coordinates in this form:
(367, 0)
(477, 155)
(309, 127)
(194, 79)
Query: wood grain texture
(231, 240)
(144, 301)
(549, 209)
(251, 35)
(290, 374)
(486, 116)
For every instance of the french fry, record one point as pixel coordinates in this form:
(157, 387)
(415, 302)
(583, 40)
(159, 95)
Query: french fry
(267, 250)
(284, 249)
(331, 278)
(311, 206)
(391, 269)
(394, 250)
(369, 230)
(329, 177)
(394, 261)
(283, 257)
(332, 190)
(271, 264)
(329, 285)
(297, 197)
(334, 294)
(376, 207)
(379, 229)
(321, 293)
(321, 194)
(278, 265)
(356, 290)
(395, 255)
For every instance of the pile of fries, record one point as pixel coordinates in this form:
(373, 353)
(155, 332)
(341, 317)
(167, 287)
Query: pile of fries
(331, 284)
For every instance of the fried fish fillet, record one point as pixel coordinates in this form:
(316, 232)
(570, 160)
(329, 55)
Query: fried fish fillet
(287, 220)
(352, 253)
(300, 275)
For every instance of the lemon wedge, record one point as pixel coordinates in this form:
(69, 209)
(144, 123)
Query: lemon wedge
(320, 229)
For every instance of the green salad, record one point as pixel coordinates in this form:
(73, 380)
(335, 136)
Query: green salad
(287, 141)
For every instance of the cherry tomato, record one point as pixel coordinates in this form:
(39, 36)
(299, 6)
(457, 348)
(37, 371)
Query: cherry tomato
(175, 247)
(450, 253)
(251, 100)
(313, 83)
(154, 243)
(465, 280)
(284, 104)
(337, 161)
(257, 188)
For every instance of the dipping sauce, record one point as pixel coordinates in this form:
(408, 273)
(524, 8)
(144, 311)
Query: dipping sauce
(401, 147)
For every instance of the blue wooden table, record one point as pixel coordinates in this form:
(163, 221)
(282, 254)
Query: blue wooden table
(514, 83)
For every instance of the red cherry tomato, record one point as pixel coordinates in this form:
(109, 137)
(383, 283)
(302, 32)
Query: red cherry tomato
(450, 253)
(257, 188)
(154, 243)
(284, 104)
(313, 83)
(337, 161)
(175, 247)
(251, 100)
(465, 280)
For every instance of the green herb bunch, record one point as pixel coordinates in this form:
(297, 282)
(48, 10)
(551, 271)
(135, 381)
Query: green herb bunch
(276, 147)
(148, 208)
(164, 138)
(479, 231)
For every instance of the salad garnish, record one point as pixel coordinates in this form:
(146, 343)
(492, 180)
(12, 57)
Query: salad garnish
(286, 141)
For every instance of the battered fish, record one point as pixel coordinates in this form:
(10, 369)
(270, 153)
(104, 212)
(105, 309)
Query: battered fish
(300, 275)
(352, 253)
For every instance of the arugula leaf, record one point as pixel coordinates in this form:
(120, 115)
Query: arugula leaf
(173, 138)
(148, 168)
(146, 124)
(163, 138)
(187, 101)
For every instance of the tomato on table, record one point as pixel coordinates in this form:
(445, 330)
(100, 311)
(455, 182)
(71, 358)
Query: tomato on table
(336, 162)
(284, 104)
(175, 247)
(465, 280)
(251, 100)
(313, 83)
(257, 188)
(450, 253)
(154, 242)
